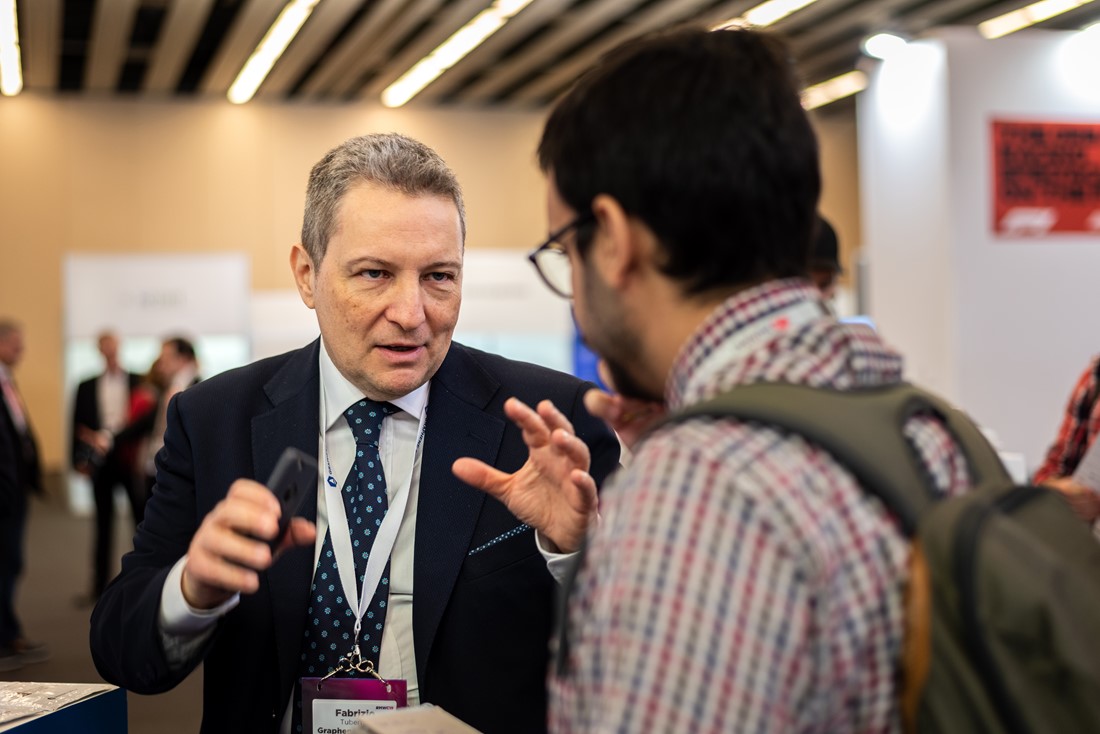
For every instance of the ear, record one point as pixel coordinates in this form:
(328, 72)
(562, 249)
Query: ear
(621, 248)
(301, 264)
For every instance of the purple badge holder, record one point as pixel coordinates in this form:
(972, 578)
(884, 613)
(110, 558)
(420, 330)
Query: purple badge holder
(351, 689)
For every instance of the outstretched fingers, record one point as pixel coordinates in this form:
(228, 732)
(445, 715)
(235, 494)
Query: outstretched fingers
(478, 474)
(553, 417)
(574, 449)
(536, 431)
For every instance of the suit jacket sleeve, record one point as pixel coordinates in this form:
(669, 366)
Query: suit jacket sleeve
(125, 639)
(11, 494)
(85, 413)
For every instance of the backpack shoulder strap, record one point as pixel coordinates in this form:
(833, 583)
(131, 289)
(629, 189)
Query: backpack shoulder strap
(863, 430)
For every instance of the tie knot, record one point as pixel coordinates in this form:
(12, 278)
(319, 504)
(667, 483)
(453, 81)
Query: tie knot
(365, 418)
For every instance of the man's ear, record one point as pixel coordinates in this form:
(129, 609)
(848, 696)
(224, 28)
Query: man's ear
(622, 246)
(301, 264)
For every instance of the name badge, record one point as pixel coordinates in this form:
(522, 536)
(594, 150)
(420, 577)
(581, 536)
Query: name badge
(334, 705)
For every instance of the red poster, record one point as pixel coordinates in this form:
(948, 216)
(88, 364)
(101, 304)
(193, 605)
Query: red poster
(1046, 178)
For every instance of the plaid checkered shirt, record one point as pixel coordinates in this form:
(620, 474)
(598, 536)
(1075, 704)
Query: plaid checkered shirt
(740, 580)
(1079, 427)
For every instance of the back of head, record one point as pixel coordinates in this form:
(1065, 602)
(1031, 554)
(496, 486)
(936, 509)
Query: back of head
(385, 159)
(8, 327)
(824, 255)
(11, 342)
(183, 348)
(702, 136)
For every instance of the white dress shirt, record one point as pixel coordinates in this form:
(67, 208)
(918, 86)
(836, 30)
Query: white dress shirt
(113, 400)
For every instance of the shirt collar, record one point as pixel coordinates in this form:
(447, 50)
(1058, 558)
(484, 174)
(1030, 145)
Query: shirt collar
(339, 392)
(740, 311)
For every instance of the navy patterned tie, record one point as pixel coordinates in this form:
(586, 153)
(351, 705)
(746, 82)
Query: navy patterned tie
(330, 621)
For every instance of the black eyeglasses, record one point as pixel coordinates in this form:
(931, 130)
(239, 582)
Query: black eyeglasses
(551, 259)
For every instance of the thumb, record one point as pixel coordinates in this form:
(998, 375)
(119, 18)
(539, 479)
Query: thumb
(478, 474)
(603, 405)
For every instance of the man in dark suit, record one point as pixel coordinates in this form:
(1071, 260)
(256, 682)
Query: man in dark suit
(101, 410)
(20, 475)
(467, 589)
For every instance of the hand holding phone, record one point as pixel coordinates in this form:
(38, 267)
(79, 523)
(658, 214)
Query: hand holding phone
(294, 476)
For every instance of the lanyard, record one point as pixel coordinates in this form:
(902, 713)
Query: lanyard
(341, 535)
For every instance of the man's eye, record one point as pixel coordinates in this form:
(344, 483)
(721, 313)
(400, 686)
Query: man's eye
(441, 277)
(373, 274)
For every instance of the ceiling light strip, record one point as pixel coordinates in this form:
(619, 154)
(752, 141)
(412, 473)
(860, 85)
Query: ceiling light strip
(765, 14)
(278, 37)
(1026, 16)
(451, 51)
(11, 73)
(833, 89)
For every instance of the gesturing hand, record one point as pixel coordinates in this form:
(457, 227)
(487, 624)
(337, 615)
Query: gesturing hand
(552, 492)
(228, 550)
(630, 418)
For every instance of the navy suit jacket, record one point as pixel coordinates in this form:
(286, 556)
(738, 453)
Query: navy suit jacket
(23, 473)
(482, 616)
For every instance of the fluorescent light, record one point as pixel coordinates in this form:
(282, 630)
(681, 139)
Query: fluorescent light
(766, 13)
(278, 37)
(1026, 16)
(11, 75)
(836, 88)
(883, 45)
(451, 51)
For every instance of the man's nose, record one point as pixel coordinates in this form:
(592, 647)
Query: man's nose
(407, 307)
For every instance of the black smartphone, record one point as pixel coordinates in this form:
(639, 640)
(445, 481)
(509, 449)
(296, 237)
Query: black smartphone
(294, 477)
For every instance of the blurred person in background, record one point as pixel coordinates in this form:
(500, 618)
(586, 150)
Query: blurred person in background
(20, 476)
(1076, 435)
(101, 410)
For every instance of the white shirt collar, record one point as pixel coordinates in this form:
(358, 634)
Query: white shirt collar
(339, 393)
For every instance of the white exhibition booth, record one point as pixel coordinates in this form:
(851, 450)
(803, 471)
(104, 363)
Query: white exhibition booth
(993, 312)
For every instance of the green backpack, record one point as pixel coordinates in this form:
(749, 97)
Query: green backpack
(1003, 605)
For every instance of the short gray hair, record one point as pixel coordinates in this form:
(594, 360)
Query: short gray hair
(386, 159)
(9, 327)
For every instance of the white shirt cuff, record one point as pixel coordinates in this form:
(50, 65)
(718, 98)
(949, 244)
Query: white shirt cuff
(558, 564)
(181, 620)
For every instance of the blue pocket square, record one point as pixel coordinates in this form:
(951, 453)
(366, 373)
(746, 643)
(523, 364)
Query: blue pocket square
(517, 530)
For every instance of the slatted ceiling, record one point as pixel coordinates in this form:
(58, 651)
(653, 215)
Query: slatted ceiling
(408, 26)
(360, 52)
(324, 54)
(566, 31)
(326, 21)
(352, 49)
(980, 10)
(40, 34)
(220, 19)
(76, 29)
(108, 43)
(349, 51)
(148, 22)
(490, 53)
(179, 32)
(248, 29)
(441, 26)
(657, 16)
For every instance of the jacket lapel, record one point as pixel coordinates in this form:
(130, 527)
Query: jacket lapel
(457, 426)
(292, 421)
